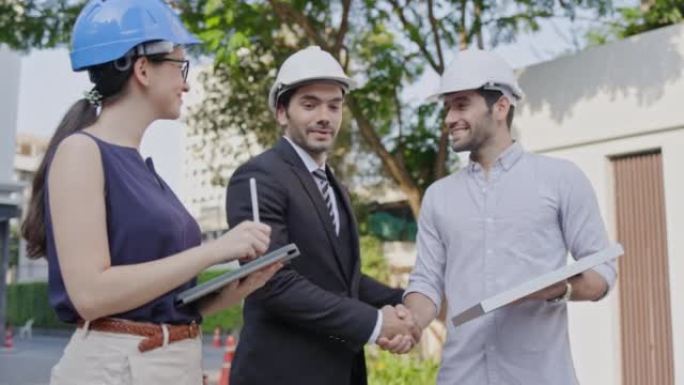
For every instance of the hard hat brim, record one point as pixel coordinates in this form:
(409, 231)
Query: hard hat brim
(277, 90)
(438, 95)
(94, 55)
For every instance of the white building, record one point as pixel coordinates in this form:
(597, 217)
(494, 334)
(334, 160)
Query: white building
(205, 200)
(10, 62)
(10, 196)
(616, 111)
(209, 159)
(29, 152)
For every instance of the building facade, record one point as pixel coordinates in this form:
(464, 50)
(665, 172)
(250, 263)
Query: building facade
(615, 111)
(29, 152)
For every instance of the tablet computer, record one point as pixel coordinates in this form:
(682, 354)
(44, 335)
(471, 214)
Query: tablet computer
(282, 254)
(502, 299)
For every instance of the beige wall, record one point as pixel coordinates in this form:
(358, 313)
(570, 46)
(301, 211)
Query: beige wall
(612, 100)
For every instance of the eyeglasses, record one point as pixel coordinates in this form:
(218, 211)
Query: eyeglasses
(185, 65)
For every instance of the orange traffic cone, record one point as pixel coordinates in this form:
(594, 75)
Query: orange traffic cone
(216, 342)
(9, 343)
(227, 360)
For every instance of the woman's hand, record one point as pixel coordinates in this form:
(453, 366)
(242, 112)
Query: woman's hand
(245, 241)
(233, 293)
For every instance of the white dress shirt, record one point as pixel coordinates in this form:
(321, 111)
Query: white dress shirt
(311, 165)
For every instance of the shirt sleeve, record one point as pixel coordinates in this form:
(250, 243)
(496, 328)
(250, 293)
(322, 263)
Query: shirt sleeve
(376, 330)
(583, 228)
(427, 277)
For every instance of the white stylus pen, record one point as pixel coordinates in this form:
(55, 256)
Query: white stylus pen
(255, 201)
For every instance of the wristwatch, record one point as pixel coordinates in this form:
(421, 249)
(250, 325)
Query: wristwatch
(565, 297)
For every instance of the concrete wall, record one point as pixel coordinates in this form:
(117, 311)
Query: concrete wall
(617, 99)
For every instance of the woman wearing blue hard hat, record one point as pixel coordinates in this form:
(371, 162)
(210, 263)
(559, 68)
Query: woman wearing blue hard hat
(119, 244)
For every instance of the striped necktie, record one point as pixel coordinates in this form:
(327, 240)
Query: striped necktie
(324, 186)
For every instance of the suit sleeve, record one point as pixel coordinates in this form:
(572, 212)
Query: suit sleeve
(378, 294)
(371, 291)
(288, 295)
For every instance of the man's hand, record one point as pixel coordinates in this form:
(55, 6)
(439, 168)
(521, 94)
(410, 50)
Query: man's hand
(586, 286)
(400, 331)
(556, 290)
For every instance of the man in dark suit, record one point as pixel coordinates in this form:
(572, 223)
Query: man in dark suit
(310, 322)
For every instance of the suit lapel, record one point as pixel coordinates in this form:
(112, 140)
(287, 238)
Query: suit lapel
(352, 228)
(314, 194)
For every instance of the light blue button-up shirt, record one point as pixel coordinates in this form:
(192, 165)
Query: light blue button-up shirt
(480, 235)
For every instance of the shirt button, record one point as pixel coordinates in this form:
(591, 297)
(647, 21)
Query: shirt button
(490, 220)
(492, 348)
(489, 251)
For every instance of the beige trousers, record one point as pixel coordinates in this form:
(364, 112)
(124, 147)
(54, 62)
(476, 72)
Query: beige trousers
(101, 358)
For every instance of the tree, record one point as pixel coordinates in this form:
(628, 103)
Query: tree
(387, 44)
(630, 21)
(14, 246)
(26, 24)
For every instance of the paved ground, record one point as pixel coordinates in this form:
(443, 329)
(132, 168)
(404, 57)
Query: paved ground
(30, 361)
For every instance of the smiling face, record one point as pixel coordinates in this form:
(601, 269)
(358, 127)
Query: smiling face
(468, 120)
(313, 117)
(167, 84)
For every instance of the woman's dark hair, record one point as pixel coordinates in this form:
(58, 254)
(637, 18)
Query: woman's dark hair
(109, 79)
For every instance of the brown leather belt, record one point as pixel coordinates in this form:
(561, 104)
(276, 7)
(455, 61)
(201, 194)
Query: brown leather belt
(153, 332)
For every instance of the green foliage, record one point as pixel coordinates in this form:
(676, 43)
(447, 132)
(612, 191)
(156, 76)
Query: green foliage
(388, 369)
(229, 319)
(30, 300)
(660, 14)
(14, 246)
(26, 24)
(631, 21)
(385, 44)
(373, 262)
(389, 227)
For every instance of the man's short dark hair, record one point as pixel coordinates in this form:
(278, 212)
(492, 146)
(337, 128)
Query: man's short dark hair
(284, 99)
(493, 96)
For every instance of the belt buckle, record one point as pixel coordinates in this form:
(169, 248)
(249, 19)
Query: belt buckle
(193, 329)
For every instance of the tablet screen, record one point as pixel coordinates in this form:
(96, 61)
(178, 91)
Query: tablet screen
(282, 254)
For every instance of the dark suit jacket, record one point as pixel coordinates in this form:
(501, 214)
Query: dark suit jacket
(309, 323)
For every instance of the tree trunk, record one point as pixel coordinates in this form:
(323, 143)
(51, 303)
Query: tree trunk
(646, 4)
(393, 167)
(463, 35)
(478, 24)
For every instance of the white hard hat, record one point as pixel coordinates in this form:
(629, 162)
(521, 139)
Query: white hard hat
(475, 69)
(311, 63)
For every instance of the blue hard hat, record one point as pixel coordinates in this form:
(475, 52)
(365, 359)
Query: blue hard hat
(107, 29)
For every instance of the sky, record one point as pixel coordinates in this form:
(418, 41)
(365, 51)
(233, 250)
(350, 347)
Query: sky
(48, 87)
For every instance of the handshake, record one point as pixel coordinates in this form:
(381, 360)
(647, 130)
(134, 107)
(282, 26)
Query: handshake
(400, 331)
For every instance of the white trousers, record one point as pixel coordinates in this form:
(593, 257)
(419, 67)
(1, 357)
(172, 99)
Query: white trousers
(102, 358)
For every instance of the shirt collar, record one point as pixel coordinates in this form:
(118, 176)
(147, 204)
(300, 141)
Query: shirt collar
(506, 159)
(511, 155)
(309, 162)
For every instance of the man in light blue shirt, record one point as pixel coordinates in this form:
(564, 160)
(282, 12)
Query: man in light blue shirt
(507, 217)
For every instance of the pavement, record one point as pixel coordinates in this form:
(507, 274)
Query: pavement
(30, 360)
